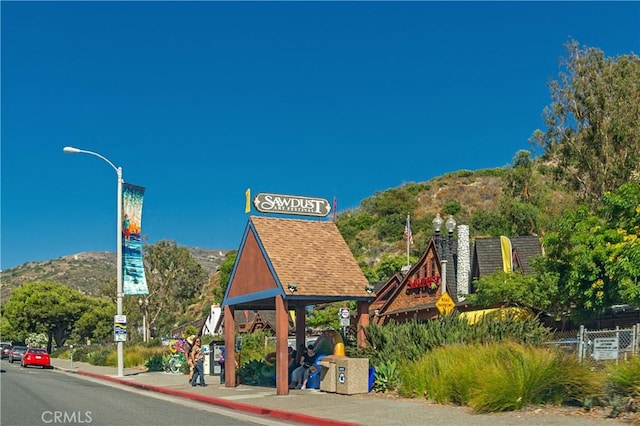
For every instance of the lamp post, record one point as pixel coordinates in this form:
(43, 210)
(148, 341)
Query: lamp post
(120, 344)
(144, 306)
(443, 244)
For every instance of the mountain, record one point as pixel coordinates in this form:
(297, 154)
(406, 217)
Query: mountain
(87, 272)
(372, 230)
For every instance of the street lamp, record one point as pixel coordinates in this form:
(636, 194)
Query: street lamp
(120, 344)
(144, 307)
(443, 244)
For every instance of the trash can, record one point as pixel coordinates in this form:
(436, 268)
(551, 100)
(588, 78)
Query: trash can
(327, 374)
(352, 375)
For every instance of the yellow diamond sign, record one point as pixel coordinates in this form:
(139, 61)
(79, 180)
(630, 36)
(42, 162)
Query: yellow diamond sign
(445, 304)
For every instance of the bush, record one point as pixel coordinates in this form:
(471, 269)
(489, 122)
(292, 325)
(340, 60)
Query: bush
(623, 378)
(100, 357)
(498, 377)
(155, 363)
(255, 346)
(257, 373)
(406, 342)
(387, 377)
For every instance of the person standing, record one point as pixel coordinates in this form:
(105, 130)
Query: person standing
(187, 353)
(197, 357)
(221, 362)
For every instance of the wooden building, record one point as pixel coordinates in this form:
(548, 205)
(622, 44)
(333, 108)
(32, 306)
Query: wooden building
(289, 264)
(453, 264)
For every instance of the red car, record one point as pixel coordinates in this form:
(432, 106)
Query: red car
(36, 356)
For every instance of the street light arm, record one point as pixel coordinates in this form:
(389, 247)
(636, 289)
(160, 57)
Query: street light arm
(72, 150)
(119, 268)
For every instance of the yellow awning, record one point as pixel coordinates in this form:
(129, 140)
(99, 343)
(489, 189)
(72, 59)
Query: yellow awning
(516, 312)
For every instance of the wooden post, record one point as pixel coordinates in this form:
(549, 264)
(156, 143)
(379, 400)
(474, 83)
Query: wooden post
(229, 347)
(363, 321)
(301, 325)
(282, 355)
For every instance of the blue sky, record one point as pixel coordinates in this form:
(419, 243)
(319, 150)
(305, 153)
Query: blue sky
(199, 101)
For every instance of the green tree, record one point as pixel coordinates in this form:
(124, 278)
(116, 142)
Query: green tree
(595, 258)
(327, 316)
(45, 307)
(505, 288)
(488, 222)
(174, 277)
(593, 132)
(96, 323)
(577, 252)
(226, 268)
(623, 212)
(390, 264)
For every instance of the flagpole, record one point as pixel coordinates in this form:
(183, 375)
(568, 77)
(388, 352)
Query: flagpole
(408, 238)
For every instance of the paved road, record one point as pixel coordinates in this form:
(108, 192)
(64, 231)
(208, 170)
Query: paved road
(33, 396)
(322, 408)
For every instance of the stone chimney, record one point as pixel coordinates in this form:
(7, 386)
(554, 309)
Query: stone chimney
(464, 262)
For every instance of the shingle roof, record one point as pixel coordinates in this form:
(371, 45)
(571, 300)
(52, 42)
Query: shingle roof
(312, 254)
(488, 253)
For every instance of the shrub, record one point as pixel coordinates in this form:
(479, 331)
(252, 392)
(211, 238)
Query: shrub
(409, 341)
(255, 346)
(497, 377)
(387, 377)
(622, 378)
(257, 373)
(100, 357)
(155, 363)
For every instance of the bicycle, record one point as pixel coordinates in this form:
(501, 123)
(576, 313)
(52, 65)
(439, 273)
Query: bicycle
(175, 363)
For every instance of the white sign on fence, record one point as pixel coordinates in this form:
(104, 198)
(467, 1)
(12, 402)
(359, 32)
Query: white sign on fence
(605, 348)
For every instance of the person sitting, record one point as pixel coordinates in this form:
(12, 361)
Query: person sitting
(300, 375)
(293, 356)
(307, 373)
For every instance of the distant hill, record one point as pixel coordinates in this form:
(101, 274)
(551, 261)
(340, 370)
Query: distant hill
(379, 233)
(87, 272)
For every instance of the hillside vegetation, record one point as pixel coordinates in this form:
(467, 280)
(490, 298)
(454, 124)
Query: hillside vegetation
(492, 202)
(91, 273)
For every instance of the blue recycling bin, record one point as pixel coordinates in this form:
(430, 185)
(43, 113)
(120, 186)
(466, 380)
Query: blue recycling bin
(372, 378)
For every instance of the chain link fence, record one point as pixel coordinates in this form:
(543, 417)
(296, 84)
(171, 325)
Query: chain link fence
(595, 347)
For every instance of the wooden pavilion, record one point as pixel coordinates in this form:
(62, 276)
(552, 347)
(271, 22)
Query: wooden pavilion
(290, 264)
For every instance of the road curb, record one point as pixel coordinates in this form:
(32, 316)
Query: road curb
(290, 416)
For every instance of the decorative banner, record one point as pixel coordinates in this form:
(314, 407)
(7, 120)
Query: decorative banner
(247, 196)
(507, 254)
(133, 278)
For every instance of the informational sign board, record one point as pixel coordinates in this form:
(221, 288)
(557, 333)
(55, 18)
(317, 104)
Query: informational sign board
(291, 204)
(445, 304)
(345, 317)
(605, 348)
(120, 328)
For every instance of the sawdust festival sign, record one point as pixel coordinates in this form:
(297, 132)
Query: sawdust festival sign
(291, 204)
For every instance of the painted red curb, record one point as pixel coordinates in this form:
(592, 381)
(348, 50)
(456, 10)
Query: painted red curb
(232, 405)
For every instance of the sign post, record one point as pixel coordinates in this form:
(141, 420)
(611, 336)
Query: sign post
(345, 321)
(120, 328)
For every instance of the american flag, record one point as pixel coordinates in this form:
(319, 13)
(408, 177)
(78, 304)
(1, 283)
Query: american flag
(407, 231)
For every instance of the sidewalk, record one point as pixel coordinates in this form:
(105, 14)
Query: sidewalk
(309, 407)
